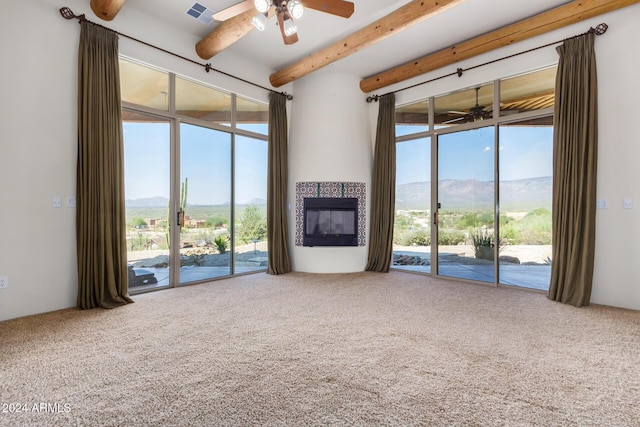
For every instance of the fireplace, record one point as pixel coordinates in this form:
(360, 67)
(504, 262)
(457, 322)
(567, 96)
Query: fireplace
(330, 221)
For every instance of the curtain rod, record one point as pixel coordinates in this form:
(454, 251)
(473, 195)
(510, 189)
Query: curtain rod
(598, 31)
(68, 14)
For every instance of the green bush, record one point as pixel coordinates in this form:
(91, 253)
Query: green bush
(474, 220)
(216, 222)
(253, 225)
(417, 237)
(138, 223)
(450, 237)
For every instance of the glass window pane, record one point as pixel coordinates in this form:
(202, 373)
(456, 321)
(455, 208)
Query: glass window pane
(465, 106)
(202, 102)
(528, 92)
(412, 118)
(147, 185)
(144, 85)
(251, 204)
(526, 165)
(205, 196)
(466, 230)
(252, 116)
(412, 226)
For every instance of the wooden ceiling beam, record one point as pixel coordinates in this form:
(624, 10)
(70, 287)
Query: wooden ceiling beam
(226, 34)
(106, 9)
(402, 18)
(550, 20)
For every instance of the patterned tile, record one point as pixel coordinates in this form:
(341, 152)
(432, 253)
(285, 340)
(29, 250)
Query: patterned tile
(332, 190)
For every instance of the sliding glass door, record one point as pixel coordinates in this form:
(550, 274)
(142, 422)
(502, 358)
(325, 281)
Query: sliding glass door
(147, 164)
(466, 247)
(250, 189)
(412, 225)
(204, 203)
(526, 151)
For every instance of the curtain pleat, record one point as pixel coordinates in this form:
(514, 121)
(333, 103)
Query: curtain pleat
(383, 191)
(575, 155)
(100, 216)
(277, 228)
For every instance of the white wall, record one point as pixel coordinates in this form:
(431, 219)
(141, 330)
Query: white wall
(38, 142)
(329, 141)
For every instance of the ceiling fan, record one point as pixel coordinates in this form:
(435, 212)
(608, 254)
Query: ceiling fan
(475, 113)
(286, 11)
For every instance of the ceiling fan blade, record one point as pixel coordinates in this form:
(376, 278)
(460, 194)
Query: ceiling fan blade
(234, 10)
(454, 120)
(457, 112)
(335, 7)
(283, 16)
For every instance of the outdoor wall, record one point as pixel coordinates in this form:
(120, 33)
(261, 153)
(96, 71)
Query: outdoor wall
(616, 278)
(38, 140)
(329, 141)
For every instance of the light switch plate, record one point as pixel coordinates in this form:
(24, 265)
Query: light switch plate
(71, 202)
(602, 204)
(56, 202)
(627, 203)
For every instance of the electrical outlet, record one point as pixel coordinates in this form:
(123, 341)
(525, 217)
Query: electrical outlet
(4, 282)
(56, 202)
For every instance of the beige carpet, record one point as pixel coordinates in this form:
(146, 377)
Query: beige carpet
(343, 349)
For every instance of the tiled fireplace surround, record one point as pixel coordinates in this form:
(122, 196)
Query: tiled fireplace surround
(332, 190)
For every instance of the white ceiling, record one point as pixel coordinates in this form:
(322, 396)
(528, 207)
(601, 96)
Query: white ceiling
(317, 30)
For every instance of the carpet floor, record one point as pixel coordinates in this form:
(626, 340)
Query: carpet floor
(324, 349)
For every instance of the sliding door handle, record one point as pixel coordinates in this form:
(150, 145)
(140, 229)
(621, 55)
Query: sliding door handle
(435, 218)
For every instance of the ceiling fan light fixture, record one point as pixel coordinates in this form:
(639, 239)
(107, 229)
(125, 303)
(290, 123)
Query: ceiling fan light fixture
(290, 28)
(260, 21)
(262, 5)
(295, 8)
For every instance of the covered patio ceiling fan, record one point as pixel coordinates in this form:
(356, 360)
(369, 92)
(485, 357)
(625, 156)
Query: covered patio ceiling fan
(475, 113)
(286, 11)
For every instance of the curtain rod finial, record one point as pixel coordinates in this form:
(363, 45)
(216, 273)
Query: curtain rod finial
(372, 98)
(600, 29)
(68, 14)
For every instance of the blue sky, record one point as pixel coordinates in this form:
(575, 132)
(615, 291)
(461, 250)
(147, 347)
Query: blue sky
(205, 159)
(525, 152)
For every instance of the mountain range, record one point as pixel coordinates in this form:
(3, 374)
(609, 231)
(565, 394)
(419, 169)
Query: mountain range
(162, 202)
(463, 194)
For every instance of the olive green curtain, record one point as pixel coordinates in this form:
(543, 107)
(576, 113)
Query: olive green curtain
(383, 189)
(277, 228)
(100, 220)
(575, 155)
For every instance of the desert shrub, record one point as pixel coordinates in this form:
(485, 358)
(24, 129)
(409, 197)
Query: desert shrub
(403, 221)
(417, 237)
(138, 223)
(216, 222)
(138, 243)
(253, 225)
(475, 219)
(450, 237)
(533, 229)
